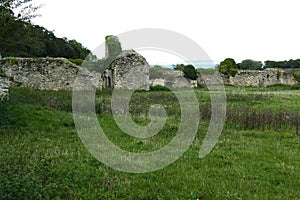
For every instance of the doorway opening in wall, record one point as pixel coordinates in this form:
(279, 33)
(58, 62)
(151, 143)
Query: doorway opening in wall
(108, 82)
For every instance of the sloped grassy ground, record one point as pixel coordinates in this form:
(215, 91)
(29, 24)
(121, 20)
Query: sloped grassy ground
(42, 157)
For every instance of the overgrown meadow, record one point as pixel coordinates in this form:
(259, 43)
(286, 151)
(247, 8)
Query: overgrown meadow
(256, 157)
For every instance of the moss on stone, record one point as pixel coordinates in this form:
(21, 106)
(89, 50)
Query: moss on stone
(13, 60)
(76, 61)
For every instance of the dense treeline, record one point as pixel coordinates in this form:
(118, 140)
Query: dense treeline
(20, 38)
(283, 64)
(229, 67)
(258, 65)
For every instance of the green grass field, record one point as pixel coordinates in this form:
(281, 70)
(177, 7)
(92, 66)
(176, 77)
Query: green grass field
(42, 156)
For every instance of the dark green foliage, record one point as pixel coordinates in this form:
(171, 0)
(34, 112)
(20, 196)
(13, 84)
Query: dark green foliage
(283, 64)
(228, 67)
(250, 65)
(190, 72)
(159, 88)
(20, 38)
(4, 112)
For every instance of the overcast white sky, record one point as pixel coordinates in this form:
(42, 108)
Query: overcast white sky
(240, 29)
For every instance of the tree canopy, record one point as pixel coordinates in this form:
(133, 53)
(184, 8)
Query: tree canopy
(250, 65)
(228, 67)
(20, 38)
(283, 64)
(188, 70)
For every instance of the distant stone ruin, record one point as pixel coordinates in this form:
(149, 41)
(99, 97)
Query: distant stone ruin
(261, 78)
(170, 78)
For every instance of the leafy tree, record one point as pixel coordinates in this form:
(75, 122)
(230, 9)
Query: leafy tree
(250, 65)
(190, 72)
(20, 38)
(293, 63)
(228, 67)
(79, 50)
(270, 64)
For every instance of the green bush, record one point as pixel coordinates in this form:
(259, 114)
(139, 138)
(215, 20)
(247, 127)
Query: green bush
(296, 76)
(159, 88)
(295, 87)
(190, 72)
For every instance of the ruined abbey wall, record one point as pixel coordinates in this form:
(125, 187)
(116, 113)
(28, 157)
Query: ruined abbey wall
(60, 74)
(129, 70)
(256, 78)
(42, 73)
(262, 78)
(4, 86)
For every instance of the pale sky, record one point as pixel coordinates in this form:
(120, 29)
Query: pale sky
(240, 29)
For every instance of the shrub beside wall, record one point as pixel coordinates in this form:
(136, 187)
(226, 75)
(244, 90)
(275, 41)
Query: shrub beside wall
(296, 76)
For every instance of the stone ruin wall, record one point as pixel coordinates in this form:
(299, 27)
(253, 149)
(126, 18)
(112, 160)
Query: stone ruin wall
(262, 78)
(256, 78)
(173, 79)
(43, 73)
(4, 86)
(129, 70)
(60, 74)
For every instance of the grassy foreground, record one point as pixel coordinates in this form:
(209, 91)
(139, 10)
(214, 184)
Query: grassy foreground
(42, 157)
